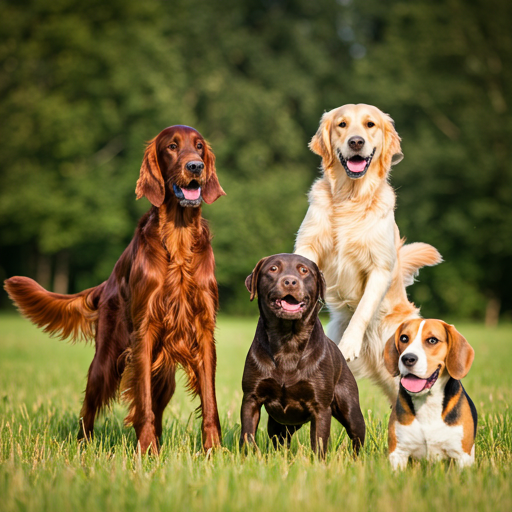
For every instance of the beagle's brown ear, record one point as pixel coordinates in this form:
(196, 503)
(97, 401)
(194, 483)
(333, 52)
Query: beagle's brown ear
(151, 183)
(392, 150)
(211, 190)
(251, 281)
(391, 354)
(460, 353)
(321, 142)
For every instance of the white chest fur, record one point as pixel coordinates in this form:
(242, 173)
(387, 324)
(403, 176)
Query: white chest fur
(428, 436)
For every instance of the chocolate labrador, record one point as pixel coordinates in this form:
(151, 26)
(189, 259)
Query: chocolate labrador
(292, 368)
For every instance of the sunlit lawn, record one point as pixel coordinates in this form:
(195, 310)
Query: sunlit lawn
(43, 468)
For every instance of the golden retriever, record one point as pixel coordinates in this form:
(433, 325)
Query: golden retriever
(350, 232)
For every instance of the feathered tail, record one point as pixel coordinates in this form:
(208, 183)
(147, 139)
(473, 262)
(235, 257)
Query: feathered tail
(65, 316)
(415, 256)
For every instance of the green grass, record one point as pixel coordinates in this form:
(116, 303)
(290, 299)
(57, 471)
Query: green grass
(42, 467)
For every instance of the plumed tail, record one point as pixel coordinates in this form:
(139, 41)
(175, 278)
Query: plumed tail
(66, 316)
(415, 256)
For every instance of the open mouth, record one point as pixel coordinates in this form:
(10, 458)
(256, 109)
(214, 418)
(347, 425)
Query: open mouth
(289, 304)
(414, 384)
(189, 195)
(356, 166)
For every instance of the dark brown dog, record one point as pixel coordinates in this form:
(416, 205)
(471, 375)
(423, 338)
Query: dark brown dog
(157, 309)
(292, 368)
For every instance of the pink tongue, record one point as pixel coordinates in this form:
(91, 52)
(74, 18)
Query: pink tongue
(356, 166)
(191, 193)
(289, 307)
(413, 383)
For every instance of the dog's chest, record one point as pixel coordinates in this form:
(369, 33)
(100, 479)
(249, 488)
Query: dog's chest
(186, 301)
(362, 242)
(289, 402)
(428, 435)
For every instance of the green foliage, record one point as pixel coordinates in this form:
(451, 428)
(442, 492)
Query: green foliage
(442, 70)
(42, 467)
(83, 85)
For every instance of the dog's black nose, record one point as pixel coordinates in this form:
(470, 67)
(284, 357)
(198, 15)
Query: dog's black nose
(196, 167)
(356, 143)
(409, 359)
(289, 281)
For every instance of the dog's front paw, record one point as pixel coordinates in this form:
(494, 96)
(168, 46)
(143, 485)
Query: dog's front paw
(398, 460)
(350, 349)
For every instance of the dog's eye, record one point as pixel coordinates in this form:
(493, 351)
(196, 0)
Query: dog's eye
(273, 268)
(173, 146)
(342, 124)
(404, 338)
(370, 124)
(432, 340)
(303, 270)
(199, 145)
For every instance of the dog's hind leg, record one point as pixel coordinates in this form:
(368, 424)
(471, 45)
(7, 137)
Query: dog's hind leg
(346, 409)
(104, 373)
(338, 322)
(162, 389)
(280, 434)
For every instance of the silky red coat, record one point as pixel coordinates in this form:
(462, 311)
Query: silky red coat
(158, 308)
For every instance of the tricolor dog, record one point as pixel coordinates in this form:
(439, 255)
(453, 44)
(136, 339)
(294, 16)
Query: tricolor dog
(433, 416)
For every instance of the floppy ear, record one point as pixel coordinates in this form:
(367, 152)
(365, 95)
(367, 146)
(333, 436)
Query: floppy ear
(251, 281)
(151, 182)
(460, 353)
(321, 141)
(391, 354)
(393, 150)
(320, 279)
(211, 190)
(322, 285)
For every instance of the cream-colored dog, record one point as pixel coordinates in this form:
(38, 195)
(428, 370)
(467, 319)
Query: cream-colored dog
(350, 233)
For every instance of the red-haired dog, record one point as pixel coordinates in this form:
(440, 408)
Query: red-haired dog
(157, 310)
(433, 416)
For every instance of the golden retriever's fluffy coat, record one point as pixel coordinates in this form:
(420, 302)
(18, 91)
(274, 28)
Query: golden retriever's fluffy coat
(350, 232)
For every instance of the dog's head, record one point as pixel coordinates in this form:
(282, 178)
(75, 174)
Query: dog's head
(288, 286)
(359, 139)
(179, 165)
(422, 350)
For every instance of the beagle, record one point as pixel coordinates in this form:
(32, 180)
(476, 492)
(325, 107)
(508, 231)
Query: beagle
(433, 416)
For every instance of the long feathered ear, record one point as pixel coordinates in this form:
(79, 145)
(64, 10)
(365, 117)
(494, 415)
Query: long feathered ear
(211, 189)
(391, 354)
(321, 141)
(460, 353)
(151, 183)
(392, 150)
(251, 281)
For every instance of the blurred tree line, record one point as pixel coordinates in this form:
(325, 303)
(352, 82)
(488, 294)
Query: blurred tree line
(84, 84)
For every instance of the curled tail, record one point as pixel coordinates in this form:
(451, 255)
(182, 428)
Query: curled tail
(66, 316)
(415, 256)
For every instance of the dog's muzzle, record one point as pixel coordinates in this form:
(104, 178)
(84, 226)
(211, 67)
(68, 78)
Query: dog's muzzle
(189, 196)
(355, 166)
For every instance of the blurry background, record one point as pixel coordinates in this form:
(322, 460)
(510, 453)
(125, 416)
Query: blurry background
(84, 84)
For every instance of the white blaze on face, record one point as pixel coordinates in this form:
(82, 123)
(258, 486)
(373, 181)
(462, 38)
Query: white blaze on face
(416, 348)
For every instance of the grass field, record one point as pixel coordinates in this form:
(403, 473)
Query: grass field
(42, 467)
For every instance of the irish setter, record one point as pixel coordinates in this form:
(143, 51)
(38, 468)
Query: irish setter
(158, 308)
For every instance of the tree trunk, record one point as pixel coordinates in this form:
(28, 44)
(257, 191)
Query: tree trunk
(61, 277)
(492, 312)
